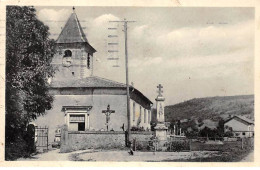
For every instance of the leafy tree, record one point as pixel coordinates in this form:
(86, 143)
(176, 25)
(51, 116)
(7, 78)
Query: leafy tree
(220, 127)
(29, 53)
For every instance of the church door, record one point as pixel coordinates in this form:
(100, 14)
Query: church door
(81, 126)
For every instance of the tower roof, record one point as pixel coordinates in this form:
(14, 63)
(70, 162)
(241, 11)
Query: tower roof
(72, 31)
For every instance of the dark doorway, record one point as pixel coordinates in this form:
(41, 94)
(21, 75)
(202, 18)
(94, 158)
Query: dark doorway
(81, 127)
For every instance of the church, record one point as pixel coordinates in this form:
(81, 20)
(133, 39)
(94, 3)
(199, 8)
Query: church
(80, 98)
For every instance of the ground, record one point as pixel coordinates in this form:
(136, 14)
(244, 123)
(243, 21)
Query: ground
(249, 157)
(52, 155)
(120, 155)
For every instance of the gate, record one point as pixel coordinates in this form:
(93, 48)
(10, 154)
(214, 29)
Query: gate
(41, 138)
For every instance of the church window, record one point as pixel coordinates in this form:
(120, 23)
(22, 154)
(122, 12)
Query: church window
(67, 58)
(140, 113)
(88, 61)
(144, 115)
(149, 116)
(133, 111)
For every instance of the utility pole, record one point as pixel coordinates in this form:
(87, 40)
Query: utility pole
(127, 81)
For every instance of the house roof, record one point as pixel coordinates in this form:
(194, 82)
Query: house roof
(242, 119)
(94, 82)
(73, 32)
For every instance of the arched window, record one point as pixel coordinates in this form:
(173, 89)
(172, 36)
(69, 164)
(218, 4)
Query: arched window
(149, 116)
(88, 61)
(133, 111)
(144, 115)
(67, 53)
(67, 59)
(140, 113)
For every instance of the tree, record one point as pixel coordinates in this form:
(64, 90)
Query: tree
(220, 127)
(29, 53)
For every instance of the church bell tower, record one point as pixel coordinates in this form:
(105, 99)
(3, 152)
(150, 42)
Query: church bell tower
(74, 57)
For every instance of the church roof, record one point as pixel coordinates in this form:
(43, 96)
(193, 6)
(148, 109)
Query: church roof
(94, 82)
(72, 31)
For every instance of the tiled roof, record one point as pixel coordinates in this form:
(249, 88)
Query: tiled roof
(244, 119)
(93, 82)
(87, 82)
(72, 31)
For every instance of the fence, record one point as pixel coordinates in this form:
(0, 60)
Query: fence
(41, 138)
(198, 144)
(221, 145)
(169, 145)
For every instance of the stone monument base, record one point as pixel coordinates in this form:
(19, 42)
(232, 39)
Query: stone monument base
(160, 132)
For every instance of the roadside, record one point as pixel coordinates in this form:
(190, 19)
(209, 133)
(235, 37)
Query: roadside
(249, 157)
(52, 155)
(123, 156)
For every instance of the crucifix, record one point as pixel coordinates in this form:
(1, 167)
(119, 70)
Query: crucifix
(108, 113)
(160, 91)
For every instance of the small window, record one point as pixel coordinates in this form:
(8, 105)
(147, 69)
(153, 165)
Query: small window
(244, 133)
(149, 116)
(77, 118)
(133, 111)
(140, 114)
(88, 61)
(67, 53)
(144, 115)
(67, 59)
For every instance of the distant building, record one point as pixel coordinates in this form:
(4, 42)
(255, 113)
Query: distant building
(240, 126)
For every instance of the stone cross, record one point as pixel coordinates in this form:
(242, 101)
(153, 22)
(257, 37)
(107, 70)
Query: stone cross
(108, 113)
(160, 91)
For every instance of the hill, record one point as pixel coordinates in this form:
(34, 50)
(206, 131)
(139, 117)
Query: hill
(212, 108)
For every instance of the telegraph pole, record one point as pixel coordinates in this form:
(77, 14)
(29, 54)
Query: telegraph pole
(127, 81)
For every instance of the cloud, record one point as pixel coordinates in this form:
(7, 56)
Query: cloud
(55, 19)
(104, 19)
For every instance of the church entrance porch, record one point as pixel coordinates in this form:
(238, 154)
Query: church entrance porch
(77, 117)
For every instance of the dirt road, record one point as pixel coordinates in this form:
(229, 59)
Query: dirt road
(53, 155)
(249, 157)
(91, 155)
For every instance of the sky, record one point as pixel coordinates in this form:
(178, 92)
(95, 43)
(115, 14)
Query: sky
(193, 52)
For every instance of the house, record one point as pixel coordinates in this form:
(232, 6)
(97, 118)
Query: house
(81, 98)
(239, 126)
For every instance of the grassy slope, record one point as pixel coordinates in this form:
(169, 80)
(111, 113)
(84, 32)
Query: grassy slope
(211, 108)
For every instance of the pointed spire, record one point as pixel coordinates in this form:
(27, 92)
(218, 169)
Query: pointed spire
(72, 31)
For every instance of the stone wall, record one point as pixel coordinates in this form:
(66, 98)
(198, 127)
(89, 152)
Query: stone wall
(74, 140)
(92, 140)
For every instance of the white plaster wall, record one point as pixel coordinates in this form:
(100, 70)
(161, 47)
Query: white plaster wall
(236, 125)
(55, 116)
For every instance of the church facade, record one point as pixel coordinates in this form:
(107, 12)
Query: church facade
(80, 97)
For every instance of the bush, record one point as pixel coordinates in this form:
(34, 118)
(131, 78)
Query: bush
(134, 128)
(228, 134)
(177, 146)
